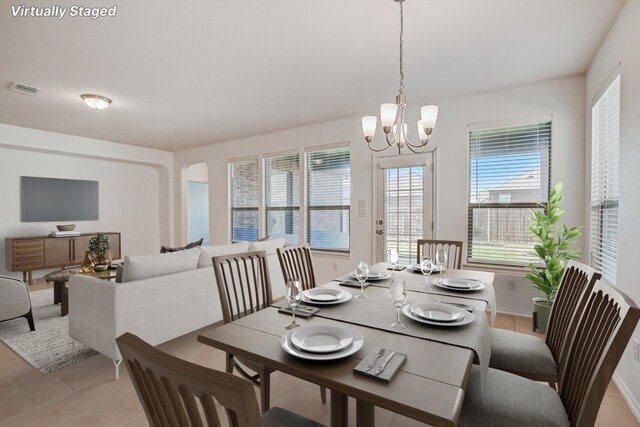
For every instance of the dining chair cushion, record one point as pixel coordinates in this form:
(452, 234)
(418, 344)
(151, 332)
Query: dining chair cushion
(521, 353)
(510, 400)
(278, 417)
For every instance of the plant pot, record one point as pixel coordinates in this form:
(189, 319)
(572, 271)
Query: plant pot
(541, 311)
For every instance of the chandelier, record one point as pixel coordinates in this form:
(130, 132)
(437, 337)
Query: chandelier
(392, 115)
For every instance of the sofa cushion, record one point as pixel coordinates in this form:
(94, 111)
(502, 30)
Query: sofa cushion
(138, 267)
(164, 249)
(268, 246)
(208, 252)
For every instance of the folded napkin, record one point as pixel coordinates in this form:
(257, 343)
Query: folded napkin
(389, 371)
(352, 283)
(303, 311)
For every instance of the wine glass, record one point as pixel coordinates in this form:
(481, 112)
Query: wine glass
(362, 274)
(294, 293)
(398, 297)
(393, 258)
(426, 266)
(441, 259)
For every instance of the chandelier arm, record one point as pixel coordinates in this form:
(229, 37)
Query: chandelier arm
(424, 148)
(378, 150)
(417, 145)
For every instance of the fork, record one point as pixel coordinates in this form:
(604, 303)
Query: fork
(373, 362)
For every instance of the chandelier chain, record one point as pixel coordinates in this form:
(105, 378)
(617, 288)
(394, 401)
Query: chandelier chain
(401, 47)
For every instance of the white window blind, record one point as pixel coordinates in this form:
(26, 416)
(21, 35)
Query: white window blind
(244, 197)
(282, 197)
(509, 174)
(605, 157)
(328, 174)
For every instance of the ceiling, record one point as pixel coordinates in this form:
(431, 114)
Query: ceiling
(184, 74)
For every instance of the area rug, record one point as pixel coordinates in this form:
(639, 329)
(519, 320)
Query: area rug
(49, 347)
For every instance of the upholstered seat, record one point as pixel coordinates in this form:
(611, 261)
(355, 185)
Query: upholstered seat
(278, 417)
(510, 400)
(15, 301)
(521, 354)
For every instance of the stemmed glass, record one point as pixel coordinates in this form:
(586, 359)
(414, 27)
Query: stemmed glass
(362, 274)
(293, 296)
(426, 266)
(398, 297)
(441, 259)
(393, 258)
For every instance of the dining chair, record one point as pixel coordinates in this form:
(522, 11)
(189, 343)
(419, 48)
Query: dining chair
(428, 248)
(296, 263)
(529, 356)
(596, 346)
(244, 288)
(15, 301)
(174, 392)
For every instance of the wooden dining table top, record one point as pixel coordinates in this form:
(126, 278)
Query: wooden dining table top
(429, 386)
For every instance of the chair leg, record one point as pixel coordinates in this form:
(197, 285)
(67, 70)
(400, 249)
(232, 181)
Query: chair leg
(29, 317)
(228, 364)
(265, 389)
(323, 395)
(117, 365)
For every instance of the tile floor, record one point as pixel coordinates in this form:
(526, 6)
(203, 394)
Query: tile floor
(86, 394)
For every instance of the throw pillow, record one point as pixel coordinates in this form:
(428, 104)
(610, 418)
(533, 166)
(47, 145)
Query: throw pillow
(269, 246)
(208, 252)
(165, 249)
(137, 267)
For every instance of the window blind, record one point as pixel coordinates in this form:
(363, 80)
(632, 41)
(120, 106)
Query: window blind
(244, 197)
(282, 197)
(605, 157)
(509, 174)
(328, 198)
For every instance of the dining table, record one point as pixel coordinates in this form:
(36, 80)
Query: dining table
(429, 387)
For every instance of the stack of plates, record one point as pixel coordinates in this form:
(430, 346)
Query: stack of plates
(321, 342)
(438, 314)
(466, 285)
(373, 276)
(416, 268)
(325, 296)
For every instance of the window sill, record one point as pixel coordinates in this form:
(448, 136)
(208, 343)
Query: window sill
(496, 268)
(331, 254)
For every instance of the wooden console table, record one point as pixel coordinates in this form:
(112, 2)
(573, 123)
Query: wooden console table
(30, 253)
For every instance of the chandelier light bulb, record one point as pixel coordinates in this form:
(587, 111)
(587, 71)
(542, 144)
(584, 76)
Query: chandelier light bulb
(429, 114)
(369, 127)
(388, 114)
(421, 133)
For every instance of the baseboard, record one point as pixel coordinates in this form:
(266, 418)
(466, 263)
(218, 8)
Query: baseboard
(515, 313)
(634, 405)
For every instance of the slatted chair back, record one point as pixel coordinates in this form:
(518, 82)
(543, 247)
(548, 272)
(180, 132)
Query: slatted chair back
(243, 284)
(577, 281)
(296, 263)
(603, 332)
(175, 392)
(428, 248)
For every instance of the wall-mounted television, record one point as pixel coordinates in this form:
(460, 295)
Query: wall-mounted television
(55, 199)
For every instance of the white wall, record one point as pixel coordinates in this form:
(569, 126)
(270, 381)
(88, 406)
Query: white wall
(563, 98)
(621, 47)
(134, 186)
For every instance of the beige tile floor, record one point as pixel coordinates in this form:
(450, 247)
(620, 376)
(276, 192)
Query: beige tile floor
(86, 394)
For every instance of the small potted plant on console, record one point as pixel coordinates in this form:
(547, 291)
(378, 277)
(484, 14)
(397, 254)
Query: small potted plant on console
(99, 252)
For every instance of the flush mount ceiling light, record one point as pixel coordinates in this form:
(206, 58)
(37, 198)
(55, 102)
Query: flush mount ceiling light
(392, 115)
(96, 102)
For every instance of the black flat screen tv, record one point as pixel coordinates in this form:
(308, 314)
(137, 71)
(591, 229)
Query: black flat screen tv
(54, 199)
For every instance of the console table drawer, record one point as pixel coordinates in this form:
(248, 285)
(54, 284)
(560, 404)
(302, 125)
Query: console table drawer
(28, 254)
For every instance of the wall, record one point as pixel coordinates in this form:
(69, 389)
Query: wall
(134, 186)
(563, 98)
(621, 47)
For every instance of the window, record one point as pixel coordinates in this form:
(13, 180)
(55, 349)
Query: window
(605, 155)
(509, 174)
(328, 184)
(244, 197)
(282, 197)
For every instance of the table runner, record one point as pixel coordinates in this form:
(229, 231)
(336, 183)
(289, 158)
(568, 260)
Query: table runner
(378, 312)
(415, 283)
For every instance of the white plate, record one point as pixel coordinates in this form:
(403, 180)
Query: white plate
(358, 342)
(438, 312)
(464, 285)
(416, 267)
(407, 311)
(344, 297)
(373, 276)
(323, 294)
(321, 338)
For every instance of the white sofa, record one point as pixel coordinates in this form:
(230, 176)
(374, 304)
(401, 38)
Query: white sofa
(160, 297)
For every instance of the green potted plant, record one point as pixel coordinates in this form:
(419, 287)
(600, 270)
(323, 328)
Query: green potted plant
(98, 252)
(555, 245)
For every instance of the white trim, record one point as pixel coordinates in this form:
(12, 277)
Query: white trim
(328, 146)
(510, 122)
(617, 71)
(628, 396)
(515, 313)
(243, 159)
(402, 161)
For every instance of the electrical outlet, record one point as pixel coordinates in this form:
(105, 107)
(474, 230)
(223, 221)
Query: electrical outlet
(511, 285)
(335, 266)
(636, 350)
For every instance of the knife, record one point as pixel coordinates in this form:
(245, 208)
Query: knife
(384, 364)
(373, 362)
